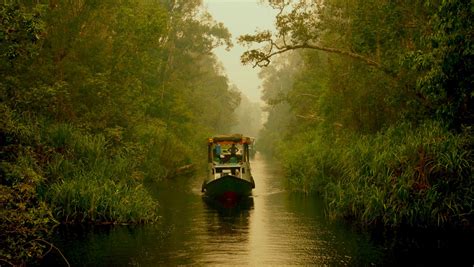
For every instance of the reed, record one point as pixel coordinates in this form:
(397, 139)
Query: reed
(90, 180)
(404, 175)
(101, 201)
(60, 135)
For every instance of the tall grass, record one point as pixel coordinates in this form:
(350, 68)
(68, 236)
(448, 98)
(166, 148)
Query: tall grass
(93, 180)
(93, 200)
(96, 176)
(402, 176)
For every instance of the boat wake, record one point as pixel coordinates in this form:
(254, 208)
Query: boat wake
(264, 194)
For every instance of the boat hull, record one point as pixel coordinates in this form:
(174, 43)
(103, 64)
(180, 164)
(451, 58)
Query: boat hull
(228, 186)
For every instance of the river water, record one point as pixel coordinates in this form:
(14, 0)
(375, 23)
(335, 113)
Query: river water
(272, 228)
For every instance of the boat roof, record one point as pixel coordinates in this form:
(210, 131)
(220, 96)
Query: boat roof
(231, 138)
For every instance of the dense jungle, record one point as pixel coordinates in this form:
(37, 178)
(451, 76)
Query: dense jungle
(369, 105)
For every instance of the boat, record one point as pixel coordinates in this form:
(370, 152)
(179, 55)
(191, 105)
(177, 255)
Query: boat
(229, 174)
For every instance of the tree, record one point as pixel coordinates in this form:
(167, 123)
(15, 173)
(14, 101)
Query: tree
(248, 117)
(446, 79)
(392, 149)
(299, 28)
(97, 97)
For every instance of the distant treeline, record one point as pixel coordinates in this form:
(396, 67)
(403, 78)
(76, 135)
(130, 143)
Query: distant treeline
(97, 98)
(371, 104)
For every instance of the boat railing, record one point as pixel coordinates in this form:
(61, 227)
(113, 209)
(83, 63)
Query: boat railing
(221, 170)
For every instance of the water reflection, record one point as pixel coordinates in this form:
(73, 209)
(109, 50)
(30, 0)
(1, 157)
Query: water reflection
(229, 208)
(274, 227)
(227, 232)
(290, 229)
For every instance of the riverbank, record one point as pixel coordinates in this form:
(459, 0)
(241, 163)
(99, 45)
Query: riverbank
(418, 176)
(275, 227)
(59, 173)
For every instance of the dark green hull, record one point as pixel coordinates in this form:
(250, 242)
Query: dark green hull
(228, 184)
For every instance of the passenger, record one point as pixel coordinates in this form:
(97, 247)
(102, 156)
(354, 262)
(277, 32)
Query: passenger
(217, 152)
(233, 150)
(233, 154)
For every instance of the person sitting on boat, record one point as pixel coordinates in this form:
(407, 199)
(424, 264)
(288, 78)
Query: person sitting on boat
(233, 150)
(217, 152)
(233, 153)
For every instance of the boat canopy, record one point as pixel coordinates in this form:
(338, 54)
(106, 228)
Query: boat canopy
(231, 139)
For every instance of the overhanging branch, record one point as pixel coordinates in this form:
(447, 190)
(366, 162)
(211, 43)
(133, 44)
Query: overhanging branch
(264, 59)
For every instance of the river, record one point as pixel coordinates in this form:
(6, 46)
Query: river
(273, 228)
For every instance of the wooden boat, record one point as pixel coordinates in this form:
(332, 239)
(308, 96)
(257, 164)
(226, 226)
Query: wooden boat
(229, 176)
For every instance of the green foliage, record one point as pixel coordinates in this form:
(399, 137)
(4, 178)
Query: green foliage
(96, 98)
(19, 31)
(446, 71)
(404, 175)
(161, 152)
(383, 132)
(277, 83)
(24, 217)
(93, 199)
(24, 222)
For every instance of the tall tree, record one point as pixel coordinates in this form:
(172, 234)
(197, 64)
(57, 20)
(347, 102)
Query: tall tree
(375, 107)
(96, 97)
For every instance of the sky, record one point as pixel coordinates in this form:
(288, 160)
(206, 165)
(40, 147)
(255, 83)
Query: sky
(241, 17)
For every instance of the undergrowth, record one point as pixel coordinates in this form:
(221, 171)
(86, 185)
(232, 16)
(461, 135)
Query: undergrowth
(417, 176)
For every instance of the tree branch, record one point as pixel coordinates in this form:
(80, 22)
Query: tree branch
(263, 60)
(367, 60)
(312, 117)
(308, 95)
(7, 262)
(51, 247)
(301, 26)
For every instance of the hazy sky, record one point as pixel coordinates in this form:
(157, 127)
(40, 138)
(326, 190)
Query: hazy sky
(241, 17)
